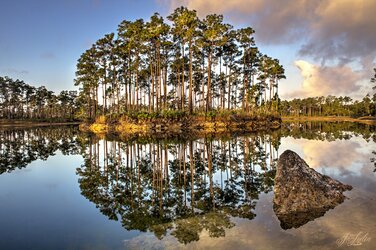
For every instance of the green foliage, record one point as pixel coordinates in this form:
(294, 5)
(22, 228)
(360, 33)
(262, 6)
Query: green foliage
(22, 146)
(21, 101)
(144, 66)
(145, 200)
(329, 106)
(173, 114)
(211, 114)
(144, 116)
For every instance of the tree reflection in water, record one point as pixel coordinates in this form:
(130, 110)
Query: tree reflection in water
(19, 147)
(327, 131)
(178, 188)
(183, 188)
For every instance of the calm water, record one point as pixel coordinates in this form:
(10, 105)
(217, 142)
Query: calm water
(60, 189)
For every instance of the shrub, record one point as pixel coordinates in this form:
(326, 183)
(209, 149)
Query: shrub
(100, 119)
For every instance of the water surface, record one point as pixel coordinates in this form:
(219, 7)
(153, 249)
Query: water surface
(64, 189)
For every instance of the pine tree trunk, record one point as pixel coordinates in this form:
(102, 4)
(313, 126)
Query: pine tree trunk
(190, 104)
(208, 94)
(182, 82)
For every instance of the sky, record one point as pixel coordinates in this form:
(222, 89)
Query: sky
(327, 47)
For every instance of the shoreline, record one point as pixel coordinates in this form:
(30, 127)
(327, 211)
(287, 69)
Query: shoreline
(193, 125)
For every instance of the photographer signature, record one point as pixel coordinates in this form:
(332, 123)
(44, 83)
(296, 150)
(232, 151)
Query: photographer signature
(349, 239)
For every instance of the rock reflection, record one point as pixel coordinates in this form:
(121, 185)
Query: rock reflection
(178, 189)
(183, 188)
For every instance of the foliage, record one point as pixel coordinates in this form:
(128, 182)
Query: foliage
(20, 147)
(19, 100)
(178, 188)
(145, 68)
(329, 106)
(169, 188)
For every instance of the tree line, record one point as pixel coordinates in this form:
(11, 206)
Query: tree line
(329, 106)
(19, 100)
(188, 64)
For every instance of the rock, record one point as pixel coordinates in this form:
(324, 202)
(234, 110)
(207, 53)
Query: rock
(301, 194)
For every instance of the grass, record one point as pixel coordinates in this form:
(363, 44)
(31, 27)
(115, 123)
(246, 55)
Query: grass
(175, 122)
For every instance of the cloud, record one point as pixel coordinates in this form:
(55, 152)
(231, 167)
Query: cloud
(48, 55)
(327, 80)
(275, 22)
(335, 34)
(331, 28)
(16, 71)
(266, 233)
(342, 29)
(346, 153)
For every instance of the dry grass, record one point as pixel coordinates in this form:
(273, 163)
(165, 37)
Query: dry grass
(131, 128)
(195, 124)
(100, 120)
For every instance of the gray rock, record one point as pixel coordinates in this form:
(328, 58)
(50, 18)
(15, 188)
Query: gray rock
(301, 194)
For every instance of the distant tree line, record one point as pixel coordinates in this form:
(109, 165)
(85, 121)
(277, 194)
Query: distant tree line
(19, 100)
(192, 65)
(329, 106)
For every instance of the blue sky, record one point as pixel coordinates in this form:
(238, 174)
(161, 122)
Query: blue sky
(40, 41)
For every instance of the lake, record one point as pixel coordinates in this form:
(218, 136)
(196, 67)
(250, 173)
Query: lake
(64, 189)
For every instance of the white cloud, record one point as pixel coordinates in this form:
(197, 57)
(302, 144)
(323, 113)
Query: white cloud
(326, 80)
(333, 33)
(346, 153)
(330, 28)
